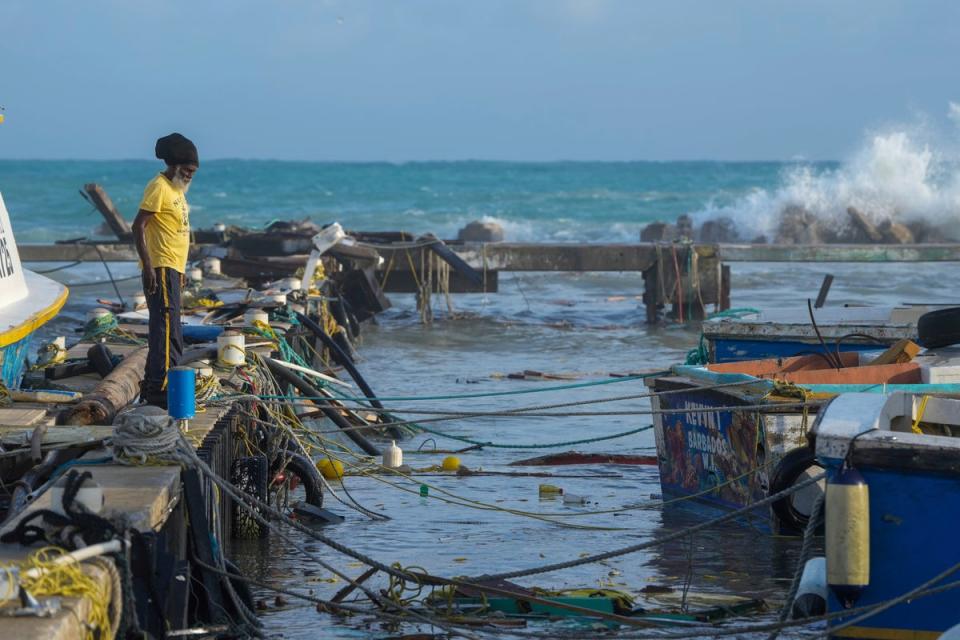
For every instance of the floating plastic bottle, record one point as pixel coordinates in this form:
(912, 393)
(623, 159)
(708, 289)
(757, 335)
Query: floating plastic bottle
(549, 490)
(424, 491)
(393, 456)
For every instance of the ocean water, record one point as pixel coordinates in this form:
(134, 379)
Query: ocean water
(584, 325)
(557, 201)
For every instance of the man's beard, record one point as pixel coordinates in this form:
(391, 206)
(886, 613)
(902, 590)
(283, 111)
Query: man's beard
(180, 183)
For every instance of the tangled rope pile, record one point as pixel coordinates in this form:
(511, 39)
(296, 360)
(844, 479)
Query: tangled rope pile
(143, 439)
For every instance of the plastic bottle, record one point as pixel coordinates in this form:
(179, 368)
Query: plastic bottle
(549, 490)
(392, 456)
(424, 491)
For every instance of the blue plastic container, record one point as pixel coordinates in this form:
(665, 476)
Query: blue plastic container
(201, 332)
(181, 393)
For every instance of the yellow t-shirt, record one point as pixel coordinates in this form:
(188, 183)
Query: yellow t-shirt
(167, 231)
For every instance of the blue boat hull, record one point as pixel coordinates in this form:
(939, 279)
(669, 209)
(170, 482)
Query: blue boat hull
(914, 529)
(13, 361)
(738, 350)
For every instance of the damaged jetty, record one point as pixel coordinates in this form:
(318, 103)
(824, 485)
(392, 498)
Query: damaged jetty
(121, 518)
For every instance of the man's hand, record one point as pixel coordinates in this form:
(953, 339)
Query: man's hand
(149, 280)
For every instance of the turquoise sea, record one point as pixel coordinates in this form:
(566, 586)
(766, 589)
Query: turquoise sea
(573, 201)
(583, 325)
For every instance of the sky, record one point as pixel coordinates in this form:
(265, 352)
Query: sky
(403, 80)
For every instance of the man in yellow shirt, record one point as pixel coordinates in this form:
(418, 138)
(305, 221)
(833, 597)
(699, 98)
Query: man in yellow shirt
(161, 232)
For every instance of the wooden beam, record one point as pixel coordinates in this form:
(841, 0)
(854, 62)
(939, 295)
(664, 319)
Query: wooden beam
(503, 256)
(87, 252)
(840, 253)
(564, 257)
(97, 196)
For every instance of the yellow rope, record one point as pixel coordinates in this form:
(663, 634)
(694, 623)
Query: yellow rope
(66, 579)
(915, 427)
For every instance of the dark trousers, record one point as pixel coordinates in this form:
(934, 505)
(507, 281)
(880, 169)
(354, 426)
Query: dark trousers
(166, 335)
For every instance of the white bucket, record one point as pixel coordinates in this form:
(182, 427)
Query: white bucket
(212, 266)
(255, 314)
(139, 300)
(231, 349)
(96, 314)
(195, 275)
(219, 227)
(278, 299)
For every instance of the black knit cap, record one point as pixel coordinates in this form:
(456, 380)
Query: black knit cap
(176, 149)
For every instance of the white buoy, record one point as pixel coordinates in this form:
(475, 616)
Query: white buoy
(97, 313)
(212, 266)
(219, 227)
(231, 349)
(250, 315)
(811, 597)
(393, 456)
(195, 275)
(139, 300)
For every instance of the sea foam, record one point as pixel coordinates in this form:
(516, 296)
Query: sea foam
(893, 176)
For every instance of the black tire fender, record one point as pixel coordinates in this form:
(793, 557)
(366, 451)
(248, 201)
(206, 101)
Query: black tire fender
(788, 470)
(940, 328)
(301, 466)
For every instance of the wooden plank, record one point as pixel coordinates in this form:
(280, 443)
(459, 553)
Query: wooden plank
(144, 495)
(562, 257)
(87, 252)
(98, 197)
(840, 253)
(402, 281)
(21, 417)
(503, 256)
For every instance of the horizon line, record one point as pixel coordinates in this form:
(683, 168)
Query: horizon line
(443, 161)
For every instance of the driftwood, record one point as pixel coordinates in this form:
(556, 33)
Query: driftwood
(112, 394)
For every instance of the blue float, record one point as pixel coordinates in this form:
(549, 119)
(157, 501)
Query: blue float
(181, 393)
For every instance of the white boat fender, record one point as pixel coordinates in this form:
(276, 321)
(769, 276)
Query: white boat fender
(953, 633)
(811, 598)
(847, 534)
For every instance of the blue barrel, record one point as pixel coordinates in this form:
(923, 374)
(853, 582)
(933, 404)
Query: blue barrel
(181, 393)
